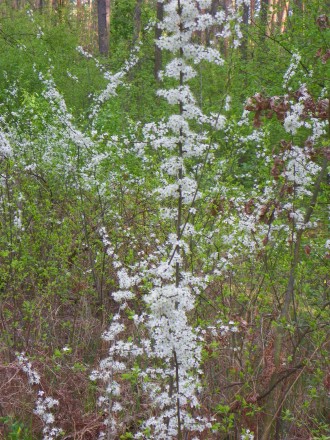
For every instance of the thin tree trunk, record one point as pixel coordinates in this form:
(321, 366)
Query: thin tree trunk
(274, 405)
(91, 21)
(137, 21)
(244, 46)
(284, 14)
(212, 33)
(203, 36)
(252, 10)
(264, 10)
(79, 11)
(39, 5)
(272, 19)
(215, 6)
(299, 4)
(103, 19)
(178, 268)
(158, 33)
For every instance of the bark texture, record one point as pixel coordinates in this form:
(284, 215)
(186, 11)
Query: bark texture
(103, 19)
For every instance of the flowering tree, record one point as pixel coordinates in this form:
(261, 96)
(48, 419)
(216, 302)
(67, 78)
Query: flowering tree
(173, 347)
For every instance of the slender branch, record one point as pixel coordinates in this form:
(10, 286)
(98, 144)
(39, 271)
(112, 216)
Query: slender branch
(178, 409)
(272, 38)
(285, 376)
(265, 436)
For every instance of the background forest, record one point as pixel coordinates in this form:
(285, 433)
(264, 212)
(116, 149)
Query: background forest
(164, 219)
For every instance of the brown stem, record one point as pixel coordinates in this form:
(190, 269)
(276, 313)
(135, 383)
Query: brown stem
(178, 409)
(288, 296)
(266, 434)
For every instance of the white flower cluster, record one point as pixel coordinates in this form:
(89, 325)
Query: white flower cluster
(110, 366)
(26, 366)
(247, 435)
(5, 148)
(44, 404)
(73, 77)
(17, 220)
(299, 169)
(43, 408)
(296, 117)
(179, 39)
(170, 299)
(71, 134)
(29, 13)
(223, 329)
(114, 80)
(185, 188)
(173, 348)
(295, 60)
(293, 119)
(319, 128)
(109, 249)
(261, 216)
(177, 68)
(182, 94)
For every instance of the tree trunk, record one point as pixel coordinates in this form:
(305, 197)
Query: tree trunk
(264, 7)
(252, 10)
(215, 6)
(284, 14)
(158, 33)
(137, 21)
(299, 4)
(273, 406)
(39, 5)
(244, 46)
(103, 19)
(273, 17)
(79, 11)
(264, 10)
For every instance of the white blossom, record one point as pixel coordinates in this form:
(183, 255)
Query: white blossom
(295, 60)
(5, 148)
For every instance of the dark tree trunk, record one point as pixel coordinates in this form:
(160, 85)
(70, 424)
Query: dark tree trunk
(246, 14)
(264, 10)
(137, 21)
(39, 4)
(299, 3)
(215, 6)
(264, 7)
(103, 19)
(158, 33)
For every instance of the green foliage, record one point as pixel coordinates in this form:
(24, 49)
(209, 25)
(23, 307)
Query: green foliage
(15, 429)
(56, 277)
